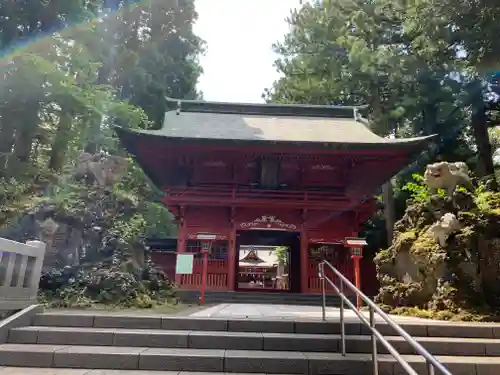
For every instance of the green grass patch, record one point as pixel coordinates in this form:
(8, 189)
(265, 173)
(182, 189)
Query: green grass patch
(460, 315)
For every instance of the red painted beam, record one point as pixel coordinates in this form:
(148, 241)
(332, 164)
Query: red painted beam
(277, 148)
(211, 202)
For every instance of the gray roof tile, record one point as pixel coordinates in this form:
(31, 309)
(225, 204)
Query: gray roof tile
(224, 126)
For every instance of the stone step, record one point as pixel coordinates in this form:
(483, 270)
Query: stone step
(420, 328)
(67, 371)
(244, 340)
(232, 361)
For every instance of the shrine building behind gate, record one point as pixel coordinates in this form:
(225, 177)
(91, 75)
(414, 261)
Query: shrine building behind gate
(296, 176)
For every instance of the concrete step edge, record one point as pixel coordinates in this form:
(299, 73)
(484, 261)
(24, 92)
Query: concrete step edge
(64, 371)
(98, 313)
(234, 361)
(353, 326)
(243, 341)
(294, 335)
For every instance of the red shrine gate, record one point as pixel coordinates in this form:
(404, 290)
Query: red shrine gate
(229, 169)
(223, 263)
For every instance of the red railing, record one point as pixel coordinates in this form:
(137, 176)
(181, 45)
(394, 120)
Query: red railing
(215, 281)
(314, 282)
(252, 196)
(214, 266)
(216, 276)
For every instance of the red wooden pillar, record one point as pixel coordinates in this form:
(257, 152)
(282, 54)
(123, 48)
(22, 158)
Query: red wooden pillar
(231, 260)
(304, 260)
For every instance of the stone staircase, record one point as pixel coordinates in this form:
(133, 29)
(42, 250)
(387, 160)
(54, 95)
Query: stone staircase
(178, 343)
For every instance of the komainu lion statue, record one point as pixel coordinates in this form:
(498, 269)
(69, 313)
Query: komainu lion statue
(104, 170)
(444, 227)
(447, 176)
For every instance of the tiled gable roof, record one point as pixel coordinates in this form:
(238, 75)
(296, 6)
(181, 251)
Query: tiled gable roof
(321, 125)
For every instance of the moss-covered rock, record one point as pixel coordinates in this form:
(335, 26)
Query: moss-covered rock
(95, 244)
(417, 272)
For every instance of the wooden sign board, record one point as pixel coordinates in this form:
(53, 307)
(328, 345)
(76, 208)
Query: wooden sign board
(184, 264)
(206, 236)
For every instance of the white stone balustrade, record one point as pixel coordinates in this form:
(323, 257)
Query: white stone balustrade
(20, 270)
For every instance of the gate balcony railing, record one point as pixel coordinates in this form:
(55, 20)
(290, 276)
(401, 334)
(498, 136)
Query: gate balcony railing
(251, 196)
(432, 363)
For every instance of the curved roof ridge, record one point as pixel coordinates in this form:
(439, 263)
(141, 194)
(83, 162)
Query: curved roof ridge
(291, 105)
(266, 109)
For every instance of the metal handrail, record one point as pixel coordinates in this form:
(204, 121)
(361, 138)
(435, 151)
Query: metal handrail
(431, 362)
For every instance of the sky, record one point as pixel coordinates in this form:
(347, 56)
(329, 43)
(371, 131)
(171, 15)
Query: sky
(238, 64)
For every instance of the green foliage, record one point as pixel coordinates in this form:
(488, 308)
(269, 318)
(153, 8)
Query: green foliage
(281, 253)
(419, 192)
(323, 61)
(60, 95)
(487, 200)
(106, 285)
(400, 294)
(78, 82)
(158, 220)
(399, 58)
(11, 192)
(116, 267)
(462, 315)
(21, 192)
(12, 195)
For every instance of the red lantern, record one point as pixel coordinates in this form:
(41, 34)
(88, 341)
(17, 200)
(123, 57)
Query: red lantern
(356, 248)
(206, 240)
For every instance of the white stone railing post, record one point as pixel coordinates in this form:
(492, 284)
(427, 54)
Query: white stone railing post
(20, 271)
(37, 268)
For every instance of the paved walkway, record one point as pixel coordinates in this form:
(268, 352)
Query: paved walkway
(259, 311)
(264, 311)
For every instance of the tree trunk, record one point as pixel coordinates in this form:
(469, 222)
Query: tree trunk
(61, 141)
(94, 135)
(132, 19)
(6, 141)
(25, 134)
(484, 150)
(430, 116)
(389, 210)
(93, 141)
(387, 190)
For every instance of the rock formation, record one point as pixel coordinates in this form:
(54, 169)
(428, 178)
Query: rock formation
(446, 248)
(68, 218)
(93, 234)
(104, 170)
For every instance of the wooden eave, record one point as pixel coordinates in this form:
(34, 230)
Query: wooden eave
(251, 256)
(130, 140)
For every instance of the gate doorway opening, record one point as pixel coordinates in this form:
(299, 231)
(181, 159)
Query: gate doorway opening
(268, 261)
